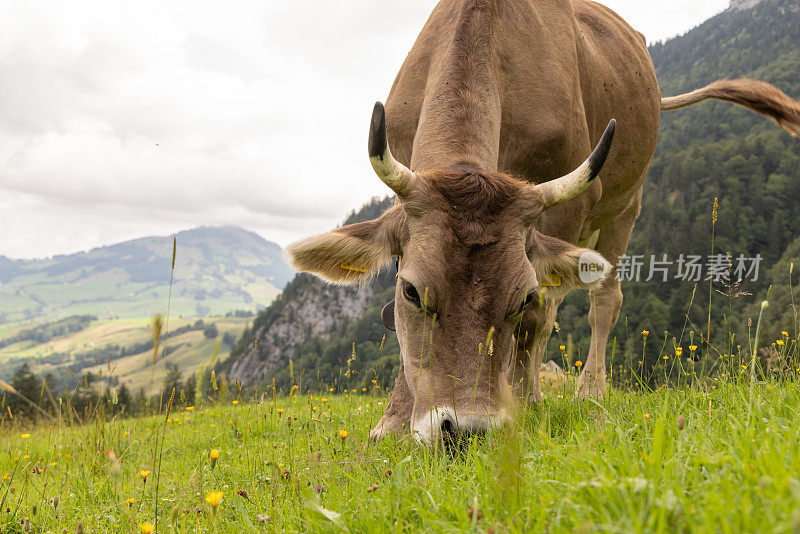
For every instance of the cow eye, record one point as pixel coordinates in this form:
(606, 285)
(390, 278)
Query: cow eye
(410, 293)
(528, 299)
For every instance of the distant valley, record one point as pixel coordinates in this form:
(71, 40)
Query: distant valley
(91, 312)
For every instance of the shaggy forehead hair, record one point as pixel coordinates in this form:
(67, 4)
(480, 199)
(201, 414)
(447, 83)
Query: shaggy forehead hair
(474, 202)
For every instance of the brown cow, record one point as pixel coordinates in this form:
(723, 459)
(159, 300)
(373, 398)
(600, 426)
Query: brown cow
(497, 100)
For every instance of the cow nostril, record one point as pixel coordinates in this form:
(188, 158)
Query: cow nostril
(448, 428)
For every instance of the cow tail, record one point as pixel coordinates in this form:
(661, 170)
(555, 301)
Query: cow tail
(759, 96)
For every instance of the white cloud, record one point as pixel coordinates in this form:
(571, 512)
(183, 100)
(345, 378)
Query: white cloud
(120, 119)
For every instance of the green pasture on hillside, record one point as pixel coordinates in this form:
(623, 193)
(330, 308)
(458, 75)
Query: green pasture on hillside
(699, 458)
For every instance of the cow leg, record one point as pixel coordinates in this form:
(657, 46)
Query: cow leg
(605, 303)
(531, 348)
(397, 416)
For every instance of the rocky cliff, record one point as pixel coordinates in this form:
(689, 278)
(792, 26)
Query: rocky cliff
(315, 309)
(308, 307)
(743, 4)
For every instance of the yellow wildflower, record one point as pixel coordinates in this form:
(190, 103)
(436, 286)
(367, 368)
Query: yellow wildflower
(779, 342)
(25, 436)
(562, 347)
(235, 402)
(678, 351)
(130, 501)
(785, 333)
(692, 348)
(190, 408)
(342, 433)
(645, 333)
(213, 498)
(280, 411)
(144, 474)
(146, 528)
(578, 364)
(647, 416)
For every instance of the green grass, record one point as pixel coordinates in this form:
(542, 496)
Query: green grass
(192, 349)
(621, 464)
(108, 297)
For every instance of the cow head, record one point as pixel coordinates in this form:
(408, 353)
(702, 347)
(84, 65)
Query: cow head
(470, 266)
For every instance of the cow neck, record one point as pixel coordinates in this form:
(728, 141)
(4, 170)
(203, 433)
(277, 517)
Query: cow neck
(460, 117)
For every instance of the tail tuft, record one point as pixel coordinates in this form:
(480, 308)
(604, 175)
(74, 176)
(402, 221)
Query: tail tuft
(758, 96)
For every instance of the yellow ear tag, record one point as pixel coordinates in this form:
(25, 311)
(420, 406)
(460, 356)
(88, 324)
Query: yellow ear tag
(351, 267)
(552, 281)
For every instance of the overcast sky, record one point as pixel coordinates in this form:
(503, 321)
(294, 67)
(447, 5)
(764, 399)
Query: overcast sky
(125, 119)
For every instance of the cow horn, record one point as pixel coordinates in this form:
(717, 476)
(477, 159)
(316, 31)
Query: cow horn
(573, 184)
(393, 173)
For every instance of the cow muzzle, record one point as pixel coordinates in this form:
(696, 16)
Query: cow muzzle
(446, 426)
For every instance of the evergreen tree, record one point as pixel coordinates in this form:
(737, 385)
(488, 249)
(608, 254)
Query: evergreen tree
(124, 398)
(140, 403)
(28, 387)
(172, 381)
(189, 389)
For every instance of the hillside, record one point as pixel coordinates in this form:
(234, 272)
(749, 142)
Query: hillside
(309, 323)
(717, 150)
(115, 352)
(712, 150)
(216, 270)
(634, 462)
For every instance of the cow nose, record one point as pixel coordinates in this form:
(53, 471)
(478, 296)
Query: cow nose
(443, 425)
(452, 434)
(448, 428)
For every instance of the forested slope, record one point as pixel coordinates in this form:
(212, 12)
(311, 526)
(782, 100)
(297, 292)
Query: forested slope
(707, 151)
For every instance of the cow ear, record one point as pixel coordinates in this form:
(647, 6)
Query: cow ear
(352, 253)
(562, 267)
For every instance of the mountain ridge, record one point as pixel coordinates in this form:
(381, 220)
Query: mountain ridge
(179, 234)
(217, 269)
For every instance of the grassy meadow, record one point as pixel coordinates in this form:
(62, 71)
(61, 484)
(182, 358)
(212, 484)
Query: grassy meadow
(706, 441)
(713, 456)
